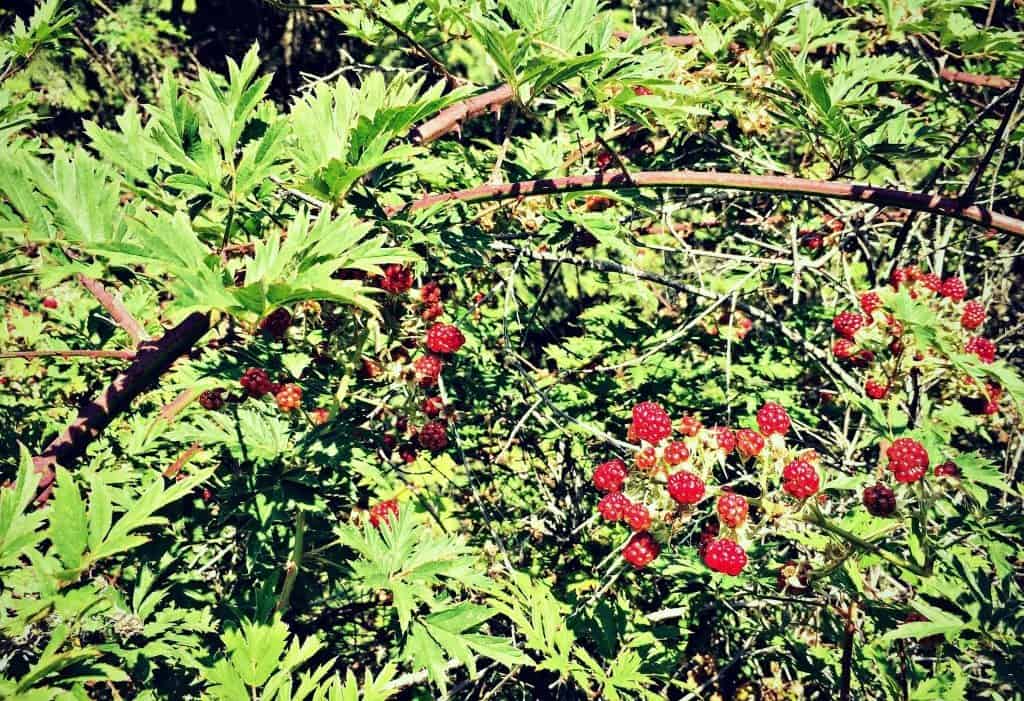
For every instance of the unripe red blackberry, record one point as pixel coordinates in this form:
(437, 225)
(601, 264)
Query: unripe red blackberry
(637, 517)
(432, 406)
(676, 453)
(725, 556)
(276, 323)
(651, 423)
(981, 347)
(397, 279)
(973, 315)
(212, 399)
(931, 282)
(879, 500)
(256, 382)
(800, 479)
(875, 389)
(953, 288)
(613, 506)
(427, 368)
(369, 368)
(609, 476)
(690, 425)
(772, 418)
(50, 302)
(843, 348)
(646, 459)
(685, 487)
(430, 293)
(749, 443)
(947, 469)
(848, 323)
(432, 311)
(869, 302)
(725, 438)
(732, 509)
(433, 436)
(319, 416)
(444, 338)
(407, 452)
(908, 460)
(641, 550)
(383, 512)
(288, 398)
(899, 278)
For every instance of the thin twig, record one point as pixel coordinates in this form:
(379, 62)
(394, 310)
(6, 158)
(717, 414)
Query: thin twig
(116, 308)
(115, 354)
(997, 139)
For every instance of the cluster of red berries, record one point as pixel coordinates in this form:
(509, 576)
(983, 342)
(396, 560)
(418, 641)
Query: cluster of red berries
(908, 462)
(873, 338)
(670, 477)
(732, 325)
(398, 279)
(257, 384)
(383, 512)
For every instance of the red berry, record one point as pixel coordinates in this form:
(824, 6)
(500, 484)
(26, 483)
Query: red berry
(847, 324)
(276, 323)
(676, 452)
(432, 406)
(651, 423)
(641, 550)
(369, 368)
(603, 160)
(843, 348)
(637, 516)
(772, 418)
(932, 282)
(725, 556)
(388, 443)
(597, 203)
(319, 416)
(613, 506)
(685, 487)
(879, 500)
(947, 469)
(812, 242)
(432, 312)
(899, 277)
(973, 316)
(908, 459)
(954, 289)
(609, 476)
(725, 437)
(288, 398)
(646, 459)
(408, 453)
(211, 399)
(981, 347)
(256, 382)
(800, 479)
(641, 90)
(749, 443)
(732, 509)
(433, 436)
(430, 293)
(428, 369)
(383, 512)
(875, 389)
(690, 425)
(869, 302)
(444, 338)
(397, 279)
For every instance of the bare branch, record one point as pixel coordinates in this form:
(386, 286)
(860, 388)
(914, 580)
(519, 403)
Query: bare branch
(49, 353)
(116, 307)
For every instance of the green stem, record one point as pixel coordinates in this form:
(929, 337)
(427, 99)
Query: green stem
(818, 519)
(294, 561)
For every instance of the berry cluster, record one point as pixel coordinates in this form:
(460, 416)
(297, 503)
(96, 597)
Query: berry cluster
(383, 512)
(671, 476)
(874, 339)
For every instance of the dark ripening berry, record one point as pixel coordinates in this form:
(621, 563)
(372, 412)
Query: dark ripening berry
(397, 279)
(953, 288)
(383, 512)
(428, 369)
(369, 368)
(772, 418)
(433, 436)
(432, 311)
(690, 425)
(847, 324)
(685, 487)
(749, 443)
(651, 423)
(430, 293)
(947, 469)
(908, 460)
(408, 453)
(432, 406)
(843, 348)
(879, 500)
(637, 517)
(899, 278)
(869, 302)
(609, 476)
(800, 479)
(288, 398)
(973, 316)
(875, 389)
(211, 399)
(276, 323)
(981, 347)
(725, 556)
(256, 382)
(444, 338)
(725, 438)
(732, 509)
(641, 550)
(613, 506)
(676, 453)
